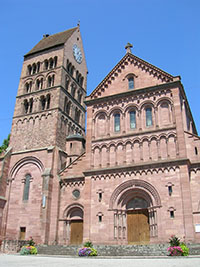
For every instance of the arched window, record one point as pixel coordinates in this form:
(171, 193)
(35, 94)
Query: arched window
(48, 99)
(34, 68)
(131, 82)
(38, 66)
(149, 121)
(46, 64)
(66, 82)
(31, 105)
(55, 61)
(68, 107)
(26, 105)
(29, 69)
(51, 63)
(81, 81)
(26, 187)
(132, 120)
(43, 102)
(27, 87)
(73, 90)
(117, 122)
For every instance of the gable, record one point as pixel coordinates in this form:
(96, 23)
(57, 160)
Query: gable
(143, 73)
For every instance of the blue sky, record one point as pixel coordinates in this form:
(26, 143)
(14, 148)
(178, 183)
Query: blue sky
(166, 33)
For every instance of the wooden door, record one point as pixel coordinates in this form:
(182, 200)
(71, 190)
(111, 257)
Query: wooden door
(138, 226)
(76, 236)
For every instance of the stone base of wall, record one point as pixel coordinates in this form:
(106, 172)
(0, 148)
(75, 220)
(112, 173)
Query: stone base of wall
(116, 250)
(12, 246)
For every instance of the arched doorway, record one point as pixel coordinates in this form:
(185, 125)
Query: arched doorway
(74, 225)
(135, 204)
(137, 221)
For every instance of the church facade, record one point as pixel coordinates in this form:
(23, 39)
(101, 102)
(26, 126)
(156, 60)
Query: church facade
(132, 178)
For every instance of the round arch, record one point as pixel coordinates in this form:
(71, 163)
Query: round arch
(135, 186)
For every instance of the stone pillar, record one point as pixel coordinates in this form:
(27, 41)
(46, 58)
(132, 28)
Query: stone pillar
(108, 156)
(132, 152)
(46, 204)
(92, 158)
(156, 117)
(141, 151)
(93, 129)
(158, 147)
(187, 210)
(108, 126)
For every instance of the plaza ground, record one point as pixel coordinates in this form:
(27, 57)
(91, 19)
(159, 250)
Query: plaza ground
(61, 261)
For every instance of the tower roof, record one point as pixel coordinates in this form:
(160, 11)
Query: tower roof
(49, 41)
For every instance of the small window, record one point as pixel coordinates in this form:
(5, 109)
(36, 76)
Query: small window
(132, 120)
(43, 102)
(48, 99)
(31, 105)
(149, 121)
(130, 83)
(70, 145)
(26, 106)
(55, 61)
(100, 196)
(26, 187)
(22, 234)
(100, 218)
(76, 193)
(170, 190)
(171, 214)
(117, 122)
(38, 66)
(196, 150)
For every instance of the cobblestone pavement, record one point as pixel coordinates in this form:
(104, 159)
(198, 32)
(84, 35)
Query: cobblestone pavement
(59, 261)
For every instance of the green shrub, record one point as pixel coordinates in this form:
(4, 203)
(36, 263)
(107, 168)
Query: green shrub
(24, 251)
(27, 250)
(185, 249)
(93, 252)
(31, 242)
(174, 241)
(88, 244)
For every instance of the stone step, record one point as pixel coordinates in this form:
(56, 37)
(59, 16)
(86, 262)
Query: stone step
(116, 250)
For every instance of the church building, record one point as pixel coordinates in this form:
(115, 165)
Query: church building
(131, 177)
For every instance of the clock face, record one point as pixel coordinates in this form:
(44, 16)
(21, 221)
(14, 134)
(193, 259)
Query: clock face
(77, 53)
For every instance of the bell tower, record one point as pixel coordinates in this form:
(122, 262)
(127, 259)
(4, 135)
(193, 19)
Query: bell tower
(52, 88)
(49, 112)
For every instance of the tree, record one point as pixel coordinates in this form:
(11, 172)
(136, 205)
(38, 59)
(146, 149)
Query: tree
(5, 144)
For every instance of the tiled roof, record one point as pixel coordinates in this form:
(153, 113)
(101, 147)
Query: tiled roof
(52, 40)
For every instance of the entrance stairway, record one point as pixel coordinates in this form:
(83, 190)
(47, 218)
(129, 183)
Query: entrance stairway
(116, 250)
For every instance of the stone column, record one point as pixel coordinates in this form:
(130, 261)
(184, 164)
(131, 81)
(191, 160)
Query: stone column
(149, 145)
(93, 129)
(158, 147)
(100, 157)
(156, 117)
(108, 156)
(141, 151)
(46, 205)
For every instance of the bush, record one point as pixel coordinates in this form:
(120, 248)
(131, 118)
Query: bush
(87, 251)
(84, 252)
(93, 252)
(175, 251)
(88, 244)
(174, 241)
(31, 242)
(27, 250)
(185, 249)
(177, 248)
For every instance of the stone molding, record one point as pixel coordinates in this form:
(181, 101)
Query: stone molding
(134, 184)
